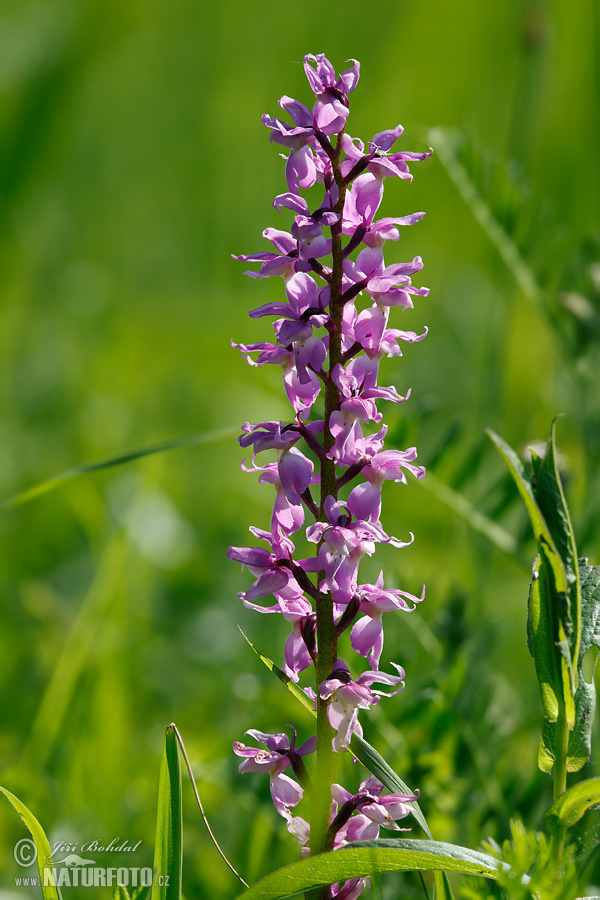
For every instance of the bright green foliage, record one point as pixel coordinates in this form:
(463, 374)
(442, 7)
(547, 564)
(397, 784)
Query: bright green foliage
(44, 855)
(121, 126)
(554, 622)
(367, 858)
(571, 805)
(549, 495)
(121, 893)
(580, 738)
(529, 870)
(168, 850)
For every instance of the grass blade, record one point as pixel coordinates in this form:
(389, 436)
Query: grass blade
(495, 533)
(168, 850)
(298, 693)
(200, 807)
(44, 487)
(44, 854)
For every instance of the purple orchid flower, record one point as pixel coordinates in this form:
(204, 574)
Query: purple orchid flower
(349, 696)
(331, 331)
(363, 813)
(280, 754)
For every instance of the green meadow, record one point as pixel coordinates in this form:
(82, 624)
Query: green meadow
(133, 163)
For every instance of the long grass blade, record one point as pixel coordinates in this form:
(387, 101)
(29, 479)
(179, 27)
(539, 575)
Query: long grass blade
(50, 484)
(57, 697)
(168, 849)
(44, 855)
(200, 807)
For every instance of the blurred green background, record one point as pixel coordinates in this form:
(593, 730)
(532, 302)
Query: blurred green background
(132, 164)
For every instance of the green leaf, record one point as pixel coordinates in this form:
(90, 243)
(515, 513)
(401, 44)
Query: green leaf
(443, 889)
(540, 634)
(121, 893)
(169, 824)
(366, 858)
(580, 738)
(50, 484)
(554, 626)
(377, 766)
(590, 607)
(298, 693)
(362, 750)
(571, 805)
(548, 491)
(549, 583)
(44, 854)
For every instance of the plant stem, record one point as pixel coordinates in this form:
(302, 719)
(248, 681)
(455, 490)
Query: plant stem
(560, 777)
(321, 840)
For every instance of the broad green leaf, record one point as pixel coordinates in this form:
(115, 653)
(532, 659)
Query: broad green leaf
(169, 825)
(368, 858)
(362, 750)
(580, 738)
(554, 623)
(548, 491)
(44, 854)
(51, 483)
(590, 607)
(548, 585)
(571, 805)
(540, 633)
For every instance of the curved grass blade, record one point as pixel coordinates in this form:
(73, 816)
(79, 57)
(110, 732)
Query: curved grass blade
(39, 489)
(571, 805)
(168, 849)
(200, 807)
(44, 854)
(368, 858)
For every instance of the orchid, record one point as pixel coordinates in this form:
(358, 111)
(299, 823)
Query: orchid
(330, 332)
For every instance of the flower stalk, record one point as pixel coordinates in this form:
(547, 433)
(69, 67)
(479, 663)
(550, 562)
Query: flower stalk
(331, 333)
